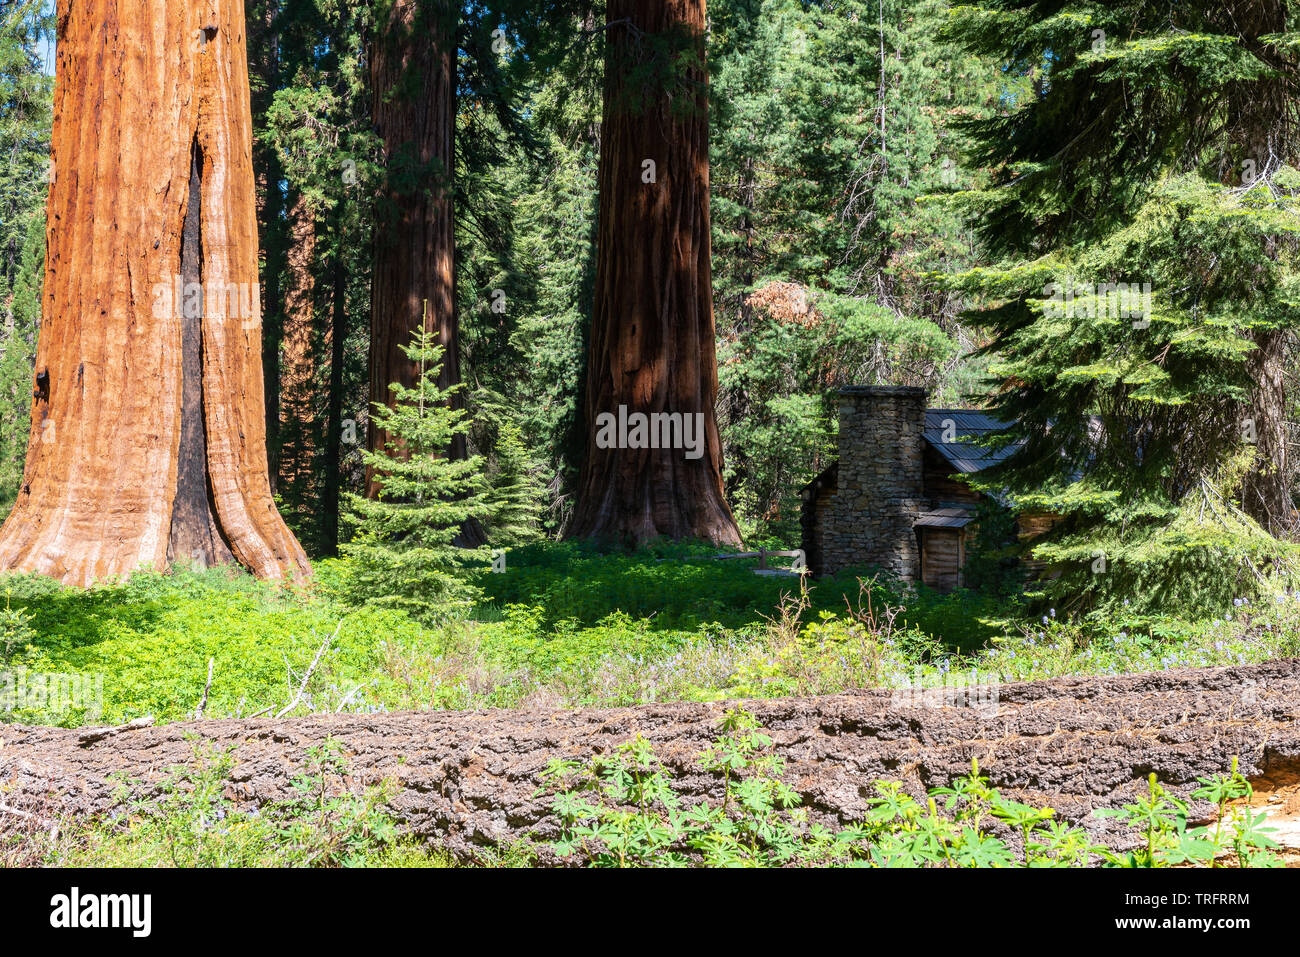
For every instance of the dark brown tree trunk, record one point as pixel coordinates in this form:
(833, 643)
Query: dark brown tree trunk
(473, 780)
(334, 412)
(1267, 493)
(738, 402)
(148, 428)
(1262, 120)
(413, 76)
(652, 349)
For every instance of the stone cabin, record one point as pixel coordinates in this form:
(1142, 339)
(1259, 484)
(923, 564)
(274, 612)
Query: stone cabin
(891, 499)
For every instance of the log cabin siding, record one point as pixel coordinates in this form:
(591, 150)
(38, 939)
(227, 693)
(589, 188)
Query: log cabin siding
(940, 486)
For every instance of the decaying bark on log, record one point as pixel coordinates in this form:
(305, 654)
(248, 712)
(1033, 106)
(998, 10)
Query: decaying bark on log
(469, 779)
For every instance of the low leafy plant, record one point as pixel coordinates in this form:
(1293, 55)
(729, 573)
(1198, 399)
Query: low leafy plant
(192, 823)
(622, 809)
(16, 631)
(1162, 820)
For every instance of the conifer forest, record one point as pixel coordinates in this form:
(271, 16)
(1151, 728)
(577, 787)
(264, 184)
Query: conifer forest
(649, 433)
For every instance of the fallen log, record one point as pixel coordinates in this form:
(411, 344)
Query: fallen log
(467, 780)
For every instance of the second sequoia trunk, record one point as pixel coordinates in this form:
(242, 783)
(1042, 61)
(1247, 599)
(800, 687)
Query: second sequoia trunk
(413, 75)
(653, 466)
(148, 431)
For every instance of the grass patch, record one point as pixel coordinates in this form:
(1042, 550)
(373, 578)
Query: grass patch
(565, 626)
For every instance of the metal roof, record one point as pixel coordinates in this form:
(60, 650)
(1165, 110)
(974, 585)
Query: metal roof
(967, 424)
(945, 518)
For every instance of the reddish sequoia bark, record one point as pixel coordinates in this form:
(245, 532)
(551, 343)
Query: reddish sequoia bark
(333, 480)
(148, 430)
(471, 779)
(264, 64)
(299, 399)
(413, 75)
(652, 339)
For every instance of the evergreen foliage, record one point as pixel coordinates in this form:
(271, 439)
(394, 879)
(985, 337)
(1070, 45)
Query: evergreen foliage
(1157, 148)
(25, 115)
(404, 554)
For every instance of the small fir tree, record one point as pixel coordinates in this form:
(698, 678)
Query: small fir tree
(404, 553)
(517, 490)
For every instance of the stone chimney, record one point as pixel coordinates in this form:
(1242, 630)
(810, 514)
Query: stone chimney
(880, 488)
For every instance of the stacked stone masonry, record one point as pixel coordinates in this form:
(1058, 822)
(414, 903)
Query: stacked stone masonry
(880, 493)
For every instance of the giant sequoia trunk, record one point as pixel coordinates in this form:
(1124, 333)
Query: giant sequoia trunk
(264, 59)
(467, 780)
(148, 431)
(652, 350)
(413, 77)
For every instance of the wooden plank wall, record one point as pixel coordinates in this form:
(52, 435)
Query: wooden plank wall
(942, 556)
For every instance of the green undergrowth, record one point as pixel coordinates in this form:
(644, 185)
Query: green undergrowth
(624, 808)
(564, 626)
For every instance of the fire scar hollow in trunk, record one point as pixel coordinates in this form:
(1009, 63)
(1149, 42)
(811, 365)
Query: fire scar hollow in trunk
(148, 440)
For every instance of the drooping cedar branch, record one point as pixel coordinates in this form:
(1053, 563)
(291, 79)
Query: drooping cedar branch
(652, 348)
(148, 430)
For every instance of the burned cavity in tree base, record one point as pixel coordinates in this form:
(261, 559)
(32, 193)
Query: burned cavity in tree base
(195, 532)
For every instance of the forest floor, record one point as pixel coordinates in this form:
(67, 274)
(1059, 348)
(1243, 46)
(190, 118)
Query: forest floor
(669, 635)
(567, 628)
(470, 783)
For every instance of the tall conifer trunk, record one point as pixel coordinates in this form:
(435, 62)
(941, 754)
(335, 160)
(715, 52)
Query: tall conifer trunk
(300, 403)
(413, 284)
(413, 77)
(329, 523)
(652, 344)
(148, 429)
(264, 58)
(1261, 118)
